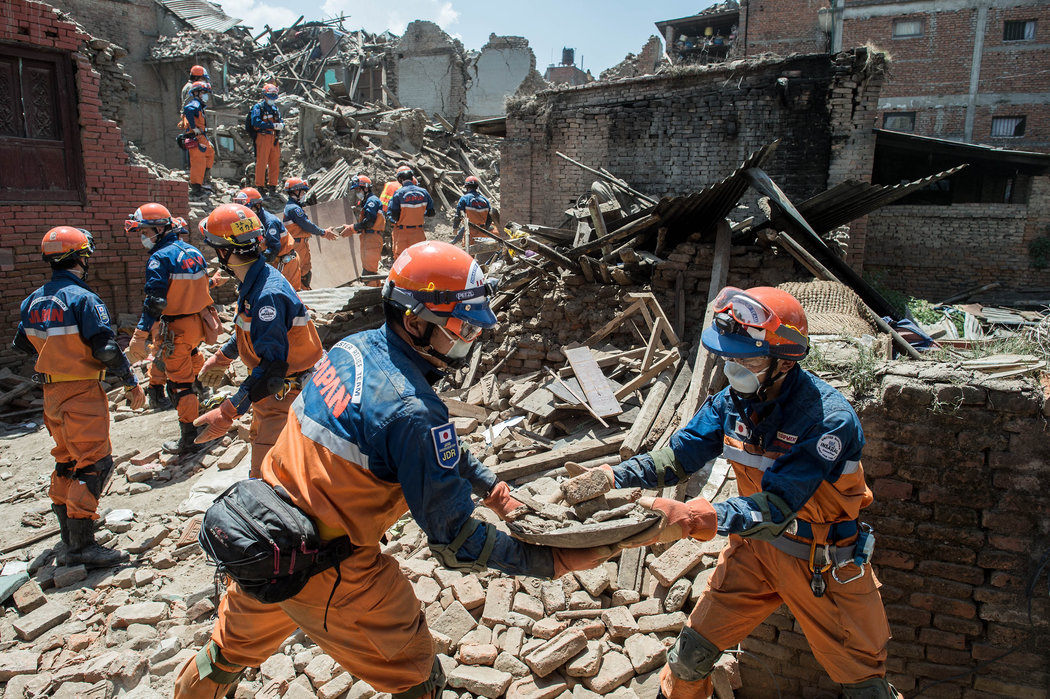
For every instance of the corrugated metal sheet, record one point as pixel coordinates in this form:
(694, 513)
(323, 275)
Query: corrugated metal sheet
(201, 15)
(852, 199)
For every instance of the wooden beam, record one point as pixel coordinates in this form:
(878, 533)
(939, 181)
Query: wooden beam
(644, 378)
(599, 395)
(578, 451)
(36, 536)
(611, 180)
(650, 408)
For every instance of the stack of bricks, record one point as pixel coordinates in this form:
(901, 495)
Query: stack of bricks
(112, 188)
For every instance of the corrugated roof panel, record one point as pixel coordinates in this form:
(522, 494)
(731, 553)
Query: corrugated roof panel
(201, 15)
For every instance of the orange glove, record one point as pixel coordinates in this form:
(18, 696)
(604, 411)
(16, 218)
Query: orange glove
(218, 421)
(503, 504)
(137, 349)
(214, 370)
(566, 560)
(695, 519)
(136, 396)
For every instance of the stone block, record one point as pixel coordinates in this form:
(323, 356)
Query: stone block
(277, 667)
(506, 662)
(587, 662)
(143, 542)
(549, 627)
(512, 639)
(469, 592)
(586, 486)
(477, 653)
(362, 690)
(595, 581)
(321, 670)
(623, 598)
(68, 575)
(481, 681)
(581, 599)
(297, 691)
(29, 597)
(415, 568)
(552, 594)
(528, 605)
(556, 652)
(427, 590)
(498, 601)
(678, 595)
(41, 620)
(676, 562)
(142, 613)
(455, 622)
(659, 623)
(616, 670)
(18, 662)
(336, 687)
(232, 456)
(646, 652)
(619, 622)
(537, 688)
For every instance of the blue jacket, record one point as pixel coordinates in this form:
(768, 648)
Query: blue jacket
(274, 229)
(262, 117)
(809, 438)
(370, 211)
(412, 202)
(295, 216)
(476, 207)
(370, 403)
(177, 272)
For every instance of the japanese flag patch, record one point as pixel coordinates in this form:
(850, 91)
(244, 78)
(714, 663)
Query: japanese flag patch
(446, 445)
(741, 429)
(102, 313)
(829, 447)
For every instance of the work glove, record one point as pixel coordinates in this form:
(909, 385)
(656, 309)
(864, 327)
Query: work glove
(696, 519)
(574, 469)
(218, 422)
(137, 349)
(136, 396)
(214, 370)
(197, 131)
(330, 234)
(278, 126)
(216, 280)
(567, 560)
(503, 504)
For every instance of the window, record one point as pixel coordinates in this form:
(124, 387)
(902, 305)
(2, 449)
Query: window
(899, 121)
(1008, 127)
(905, 28)
(1019, 30)
(39, 138)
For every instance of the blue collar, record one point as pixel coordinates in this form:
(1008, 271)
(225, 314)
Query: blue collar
(65, 275)
(164, 240)
(253, 278)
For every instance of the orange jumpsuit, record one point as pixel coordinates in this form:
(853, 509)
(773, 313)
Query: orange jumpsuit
(406, 210)
(267, 146)
(371, 224)
(301, 228)
(203, 156)
(287, 260)
(805, 450)
(62, 320)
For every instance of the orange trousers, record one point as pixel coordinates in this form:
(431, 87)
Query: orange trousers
(404, 237)
(267, 160)
(183, 363)
(302, 249)
(376, 629)
(201, 160)
(847, 628)
(371, 253)
(76, 413)
(290, 270)
(269, 417)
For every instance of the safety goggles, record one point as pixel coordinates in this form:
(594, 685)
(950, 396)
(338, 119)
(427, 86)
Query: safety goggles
(133, 224)
(470, 313)
(736, 313)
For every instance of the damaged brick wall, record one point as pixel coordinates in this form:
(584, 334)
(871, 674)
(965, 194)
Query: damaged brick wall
(958, 468)
(675, 133)
(113, 188)
(935, 251)
(431, 70)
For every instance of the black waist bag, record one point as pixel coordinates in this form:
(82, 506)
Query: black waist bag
(258, 537)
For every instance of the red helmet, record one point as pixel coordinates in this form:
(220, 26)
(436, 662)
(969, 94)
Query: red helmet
(472, 182)
(249, 196)
(62, 243)
(232, 227)
(296, 184)
(759, 322)
(151, 215)
(179, 225)
(360, 182)
(200, 86)
(443, 285)
(198, 72)
(270, 91)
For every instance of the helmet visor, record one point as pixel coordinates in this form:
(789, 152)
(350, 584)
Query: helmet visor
(131, 225)
(744, 309)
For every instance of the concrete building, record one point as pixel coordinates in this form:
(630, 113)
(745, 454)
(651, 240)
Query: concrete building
(566, 72)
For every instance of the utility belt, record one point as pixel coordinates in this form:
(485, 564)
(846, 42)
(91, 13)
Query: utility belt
(281, 261)
(166, 337)
(59, 378)
(295, 382)
(169, 318)
(398, 225)
(824, 557)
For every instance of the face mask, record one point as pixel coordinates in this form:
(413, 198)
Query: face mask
(147, 241)
(360, 196)
(742, 380)
(270, 101)
(204, 98)
(460, 348)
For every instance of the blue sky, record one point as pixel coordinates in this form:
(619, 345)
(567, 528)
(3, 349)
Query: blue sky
(601, 32)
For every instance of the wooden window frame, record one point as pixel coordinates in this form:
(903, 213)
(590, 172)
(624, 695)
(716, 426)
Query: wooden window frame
(901, 21)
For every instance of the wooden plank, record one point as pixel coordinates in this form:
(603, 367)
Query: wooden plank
(654, 343)
(650, 408)
(595, 386)
(647, 376)
(578, 397)
(539, 401)
(613, 324)
(44, 533)
(580, 451)
(597, 220)
(664, 420)
(458, 408)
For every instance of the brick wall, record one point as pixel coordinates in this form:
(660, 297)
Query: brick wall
(782, 27)
(958, 468)
(672, 134)
(936, 251)
(113, 188)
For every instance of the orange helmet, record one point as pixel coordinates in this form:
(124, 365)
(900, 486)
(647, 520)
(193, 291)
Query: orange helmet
(472, 182)
(198, 72)
(270, 91)
(759, 322)
(443, 285)
(249, 196)
(232, 227)
(296, 184)
(200, 86)
(63, 243)
(151, 215)
(360, 182)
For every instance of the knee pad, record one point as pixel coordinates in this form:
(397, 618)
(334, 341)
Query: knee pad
(692, 657)
(211, 665)
(96, 475)
(431, 687)
(874, 688)
(64, 469)
(178, 391)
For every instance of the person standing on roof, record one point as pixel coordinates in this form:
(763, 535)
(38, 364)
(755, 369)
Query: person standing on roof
(202, 156)
(476, 209)
(301, 228)
(367, 441)
(66, 325)
(176, 293)
(795, 535)
(370, 225)
(266, 123)
(197, 74)
(406, 210)
(274, 336)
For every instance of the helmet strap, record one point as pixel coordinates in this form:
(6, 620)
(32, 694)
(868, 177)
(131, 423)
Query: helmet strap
(82, 262)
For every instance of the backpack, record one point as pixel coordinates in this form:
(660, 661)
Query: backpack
(257, 536)
(252, 133)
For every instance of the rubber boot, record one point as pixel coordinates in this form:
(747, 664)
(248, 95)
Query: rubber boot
(84, 550)
(184, 444)
(207, 181)
(62, 548)
(158, 398)
(195, 191)
(305, 280)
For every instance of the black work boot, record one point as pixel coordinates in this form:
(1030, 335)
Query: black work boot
(305, 280)
(195, 191)
(85, 551)
(184, 445)
(62, 547)
(207, 181)
(158, 398)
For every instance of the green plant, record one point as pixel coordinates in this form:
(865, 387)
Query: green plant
(862, 375)
(897, 299)
(1039, 251)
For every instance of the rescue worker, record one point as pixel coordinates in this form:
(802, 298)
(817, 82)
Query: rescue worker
(197, 73)
(406, 210)
(202, 157)
(176, 292)
(370, 225)
(301, 228)
(367, 441)
(267, 123)
(392, 186)
(67, 326)
(275, 235)
(274, 336)
(475, 208)
(795, 537)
